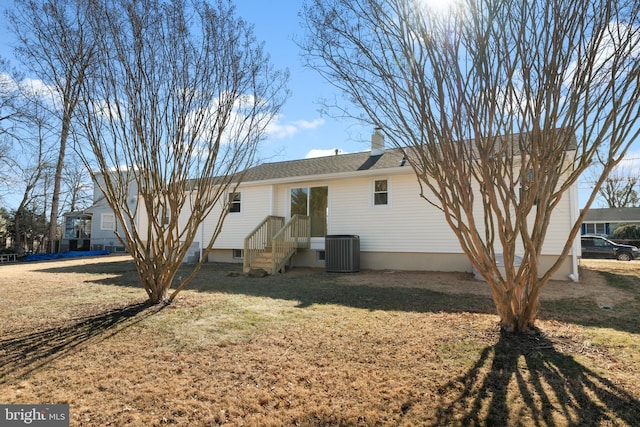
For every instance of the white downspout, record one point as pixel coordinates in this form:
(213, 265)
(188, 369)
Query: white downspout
(202, 240)
(574, 209)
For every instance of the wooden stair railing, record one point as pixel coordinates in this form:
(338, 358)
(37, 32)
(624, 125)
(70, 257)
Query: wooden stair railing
(296, 234)
(273, 256)
(259, 239)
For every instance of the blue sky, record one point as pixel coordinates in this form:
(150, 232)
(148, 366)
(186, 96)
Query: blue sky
(300, 131)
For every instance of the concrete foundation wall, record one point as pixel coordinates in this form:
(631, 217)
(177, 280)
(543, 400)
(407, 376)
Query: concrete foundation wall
(398, 261)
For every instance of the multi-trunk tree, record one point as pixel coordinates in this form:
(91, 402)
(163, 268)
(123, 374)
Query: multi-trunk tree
(500, 106)
(177, 98)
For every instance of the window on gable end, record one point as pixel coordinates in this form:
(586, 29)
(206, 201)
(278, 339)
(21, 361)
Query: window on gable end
(381, 192)
(235, 202)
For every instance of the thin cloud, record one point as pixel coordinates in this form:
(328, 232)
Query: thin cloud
(316, 152)
(630, 163)
(281, 130)
(29, 87)
(39, 88)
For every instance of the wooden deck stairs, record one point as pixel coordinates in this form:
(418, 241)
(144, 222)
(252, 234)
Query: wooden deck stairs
(273, 243)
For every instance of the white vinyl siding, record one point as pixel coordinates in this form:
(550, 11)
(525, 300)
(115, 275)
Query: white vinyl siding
(559, 227)
(409, 224)
(256, 205)
(412, 224)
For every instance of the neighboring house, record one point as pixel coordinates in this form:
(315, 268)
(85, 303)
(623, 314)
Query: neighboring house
(603, 221)
(77, 232)
(103, 223)
(373, 196)
(103, 220)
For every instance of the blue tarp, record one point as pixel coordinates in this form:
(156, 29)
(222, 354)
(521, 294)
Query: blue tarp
(62, 255)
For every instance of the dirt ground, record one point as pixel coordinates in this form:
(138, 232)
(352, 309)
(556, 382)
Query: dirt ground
(307, 348)
(593, 286)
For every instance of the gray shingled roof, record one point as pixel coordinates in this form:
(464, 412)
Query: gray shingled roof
(613, 215)
(392, 157)
(325, 165)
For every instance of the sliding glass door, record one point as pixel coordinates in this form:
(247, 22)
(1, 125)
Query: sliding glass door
(312, 201)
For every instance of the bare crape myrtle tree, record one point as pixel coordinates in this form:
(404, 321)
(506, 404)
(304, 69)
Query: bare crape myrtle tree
(500, 106)
(172, 110)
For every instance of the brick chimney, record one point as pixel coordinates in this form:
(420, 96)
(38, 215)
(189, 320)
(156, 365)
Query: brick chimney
(377, 142)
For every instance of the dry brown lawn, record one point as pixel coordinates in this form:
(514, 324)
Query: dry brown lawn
(310, 348)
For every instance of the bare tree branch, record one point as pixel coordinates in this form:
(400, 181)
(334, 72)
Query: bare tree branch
(54, 43)
(619, 189)
(500, 107)
(174, 108)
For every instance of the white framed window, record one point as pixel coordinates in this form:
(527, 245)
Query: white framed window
(596, 228)
(107, 221)
(238, 254)
(235, 200)
(381, 192)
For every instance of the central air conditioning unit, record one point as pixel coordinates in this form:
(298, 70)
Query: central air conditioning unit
(342, 253)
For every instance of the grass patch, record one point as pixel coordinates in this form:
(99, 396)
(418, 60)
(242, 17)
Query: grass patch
(618, 281)
(310, 348)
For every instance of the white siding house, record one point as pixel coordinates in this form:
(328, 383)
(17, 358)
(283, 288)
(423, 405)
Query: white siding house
(103, 220)
(374, 197)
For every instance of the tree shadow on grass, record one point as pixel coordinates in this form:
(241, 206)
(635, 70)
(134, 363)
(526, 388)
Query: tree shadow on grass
(24, 352)
(524, 380)
(307, 287)
(310, 287)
